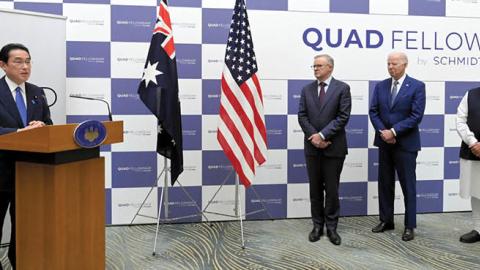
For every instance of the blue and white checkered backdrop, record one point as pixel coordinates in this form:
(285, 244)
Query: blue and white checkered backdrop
(107, 43)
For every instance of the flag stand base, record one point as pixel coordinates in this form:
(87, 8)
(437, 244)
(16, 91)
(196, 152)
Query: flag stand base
(164, 199)
(237, 208)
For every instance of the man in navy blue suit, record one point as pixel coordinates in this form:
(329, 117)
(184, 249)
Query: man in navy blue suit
(323, 112)
(396, 110)
(22, 107)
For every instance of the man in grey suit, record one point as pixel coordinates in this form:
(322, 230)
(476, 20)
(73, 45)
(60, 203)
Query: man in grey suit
(323, 113)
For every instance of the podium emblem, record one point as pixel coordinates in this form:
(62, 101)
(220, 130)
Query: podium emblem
(90, 134)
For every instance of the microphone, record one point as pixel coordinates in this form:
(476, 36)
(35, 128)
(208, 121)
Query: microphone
(97, 99)
(45, 97)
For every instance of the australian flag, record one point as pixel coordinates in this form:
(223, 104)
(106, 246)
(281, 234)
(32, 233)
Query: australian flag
(159, 91)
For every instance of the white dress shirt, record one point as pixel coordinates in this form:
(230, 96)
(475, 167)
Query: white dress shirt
(12, 85)
(469, 169)
(327, 84)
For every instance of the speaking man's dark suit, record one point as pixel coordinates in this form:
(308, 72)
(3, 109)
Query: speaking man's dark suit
(404, 116)
(10, 121)
(325, 165)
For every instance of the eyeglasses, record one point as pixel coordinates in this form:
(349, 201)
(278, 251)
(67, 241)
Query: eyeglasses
(20, 62)
(317, 66)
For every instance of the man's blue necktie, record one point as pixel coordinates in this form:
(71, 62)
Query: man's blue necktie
(22, 109)
(394, 93)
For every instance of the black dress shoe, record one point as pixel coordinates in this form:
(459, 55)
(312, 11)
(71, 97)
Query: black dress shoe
(334, 237)
(408, 234)
(315, 234)
(383, 226)
(470, 237)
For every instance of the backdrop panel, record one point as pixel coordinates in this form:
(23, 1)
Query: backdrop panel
(107, 43)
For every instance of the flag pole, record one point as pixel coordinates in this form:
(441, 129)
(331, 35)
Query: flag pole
(154, 185)
(241, 130)
(165, 187)
(164, 191)
(166, 202)
(238, 209)
(235, 209)
(164, 199)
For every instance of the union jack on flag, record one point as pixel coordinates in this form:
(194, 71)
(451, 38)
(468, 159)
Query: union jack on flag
(164, 26)
(241, 130)
(158, 89)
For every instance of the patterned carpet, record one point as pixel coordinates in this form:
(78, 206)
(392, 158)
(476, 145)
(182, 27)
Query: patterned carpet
(283, 244)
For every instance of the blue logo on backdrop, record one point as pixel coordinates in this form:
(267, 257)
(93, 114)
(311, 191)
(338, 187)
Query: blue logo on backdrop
(350, 6)
(210, 96)
(454, 92)
(273, 197)
(185, 3)
(427, 7)
(357, 129)
(353, 199)
(132, 23)
(215, 26)
(52, 8)
(189, 59)
(320, 39)
(370, 39)
(182, 205)
(431, 131)
(276, 131)
(268, 5)
(90, 134)
(373, 164)
(191, 131)
(88, 59)
(451, 166)
(125, 99)
(297, 168)
(294, 92)
(133, 169)
(216, 169)
(429, 196)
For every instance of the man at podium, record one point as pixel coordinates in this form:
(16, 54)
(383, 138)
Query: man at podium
(22, 106)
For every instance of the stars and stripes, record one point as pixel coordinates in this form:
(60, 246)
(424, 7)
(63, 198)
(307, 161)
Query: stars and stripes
(241, 129)
(158, 89)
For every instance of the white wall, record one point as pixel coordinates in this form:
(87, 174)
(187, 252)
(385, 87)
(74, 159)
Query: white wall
(44, 36)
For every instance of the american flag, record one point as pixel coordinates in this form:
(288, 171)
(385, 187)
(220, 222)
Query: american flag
(159, 91)
(241, 129)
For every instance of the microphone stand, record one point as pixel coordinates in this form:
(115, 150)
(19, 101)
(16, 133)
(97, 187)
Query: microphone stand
(97, 99)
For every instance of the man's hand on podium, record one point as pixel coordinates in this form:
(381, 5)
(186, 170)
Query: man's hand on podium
(32, 125)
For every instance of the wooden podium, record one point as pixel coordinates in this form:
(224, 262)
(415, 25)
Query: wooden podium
(60, 198)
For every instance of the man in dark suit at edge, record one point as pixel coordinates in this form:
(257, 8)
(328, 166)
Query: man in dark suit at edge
(396, 110)
(323, 113)
(22, 107)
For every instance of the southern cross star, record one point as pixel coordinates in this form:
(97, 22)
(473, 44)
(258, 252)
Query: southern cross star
(150, 73)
